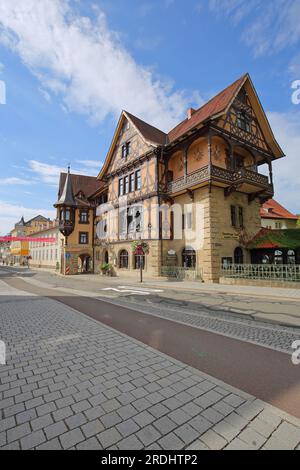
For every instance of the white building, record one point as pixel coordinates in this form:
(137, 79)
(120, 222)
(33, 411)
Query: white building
(46, 254)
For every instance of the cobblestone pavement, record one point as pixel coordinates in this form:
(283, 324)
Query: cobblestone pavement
(71, 382)
(208, 315)
(275, 337)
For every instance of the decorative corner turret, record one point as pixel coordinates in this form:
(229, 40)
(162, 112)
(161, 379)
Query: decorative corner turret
(66, 207)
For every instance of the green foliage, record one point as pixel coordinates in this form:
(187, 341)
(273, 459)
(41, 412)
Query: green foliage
(289, 239)
(105, 267)
(136, 244)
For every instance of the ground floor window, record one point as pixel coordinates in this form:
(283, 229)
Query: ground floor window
(123, 259)
(138, 260)
(106, 257)
(188, 258)
(291, 257)
(278, 257)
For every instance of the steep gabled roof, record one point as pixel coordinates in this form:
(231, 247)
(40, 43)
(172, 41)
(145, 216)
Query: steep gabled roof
(212, 108)
(273, 210)
(87, 184)
(150, 133)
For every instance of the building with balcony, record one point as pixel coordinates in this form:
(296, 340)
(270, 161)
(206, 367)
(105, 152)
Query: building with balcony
(192, 194)
(75, 214)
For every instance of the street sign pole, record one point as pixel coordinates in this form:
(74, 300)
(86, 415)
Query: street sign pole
(141, 268)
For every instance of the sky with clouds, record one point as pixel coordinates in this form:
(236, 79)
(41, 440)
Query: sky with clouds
(71, 66)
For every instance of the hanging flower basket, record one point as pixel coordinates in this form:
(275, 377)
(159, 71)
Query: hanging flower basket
(139, 247)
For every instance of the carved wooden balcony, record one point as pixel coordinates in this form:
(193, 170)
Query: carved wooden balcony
(255, 182)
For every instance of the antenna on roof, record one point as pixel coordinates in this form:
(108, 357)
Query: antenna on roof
(69, 167)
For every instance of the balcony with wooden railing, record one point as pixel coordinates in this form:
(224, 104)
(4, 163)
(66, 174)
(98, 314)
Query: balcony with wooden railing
(255, 181)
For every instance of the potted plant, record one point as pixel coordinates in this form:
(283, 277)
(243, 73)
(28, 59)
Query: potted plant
(105, 268)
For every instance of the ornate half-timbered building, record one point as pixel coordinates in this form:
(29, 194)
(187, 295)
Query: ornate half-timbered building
(193, 194)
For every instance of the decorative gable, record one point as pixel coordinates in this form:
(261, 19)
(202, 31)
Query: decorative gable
(242, 121)
(129, 145)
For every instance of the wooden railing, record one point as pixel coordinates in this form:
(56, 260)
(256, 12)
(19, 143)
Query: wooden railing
(229, 177)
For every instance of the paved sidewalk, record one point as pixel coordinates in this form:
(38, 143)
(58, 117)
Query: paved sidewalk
(71, 382)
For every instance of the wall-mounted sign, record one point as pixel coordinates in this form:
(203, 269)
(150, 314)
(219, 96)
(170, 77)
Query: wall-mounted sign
(171, 253)
(230, 236)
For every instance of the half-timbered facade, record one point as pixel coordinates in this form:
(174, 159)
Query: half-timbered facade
(193, 194)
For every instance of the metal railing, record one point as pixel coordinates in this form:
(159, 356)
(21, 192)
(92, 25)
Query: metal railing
(180, 274)
(266, 272)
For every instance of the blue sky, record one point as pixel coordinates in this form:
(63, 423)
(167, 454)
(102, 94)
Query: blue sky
(70, 67)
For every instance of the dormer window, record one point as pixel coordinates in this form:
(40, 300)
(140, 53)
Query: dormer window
(243, 121)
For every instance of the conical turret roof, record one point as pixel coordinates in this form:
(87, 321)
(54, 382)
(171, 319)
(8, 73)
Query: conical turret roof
(67, 197)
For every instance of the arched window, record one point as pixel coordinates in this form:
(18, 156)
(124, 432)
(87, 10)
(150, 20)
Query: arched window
(291, 257)
(189, 258)
(123, 259)
(106, 257)
(238, 256)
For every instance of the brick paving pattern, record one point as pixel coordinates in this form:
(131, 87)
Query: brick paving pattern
(71, 382)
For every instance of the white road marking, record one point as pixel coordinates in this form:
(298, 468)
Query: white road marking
(142, 289)
(128, 291)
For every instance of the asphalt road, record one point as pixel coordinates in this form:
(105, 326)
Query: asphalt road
(264, 373)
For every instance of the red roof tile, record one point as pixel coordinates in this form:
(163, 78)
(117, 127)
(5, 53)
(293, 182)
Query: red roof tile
(87, 184)
(273, 210)
(215, 106)
(149, 132)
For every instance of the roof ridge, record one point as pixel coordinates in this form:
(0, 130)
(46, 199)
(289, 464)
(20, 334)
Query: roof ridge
(210, 101)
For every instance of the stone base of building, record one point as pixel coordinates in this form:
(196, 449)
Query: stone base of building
(260, 283)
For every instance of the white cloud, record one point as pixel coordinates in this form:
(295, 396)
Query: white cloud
(12, 213)
(93, 164)
(84, 63)
(286, 127)
(46, 173)
(269, 26)
(13, 181)
(49, 174)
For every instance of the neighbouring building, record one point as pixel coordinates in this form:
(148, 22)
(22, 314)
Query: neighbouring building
(192, 194)
(275, 217)
(46, 251)
(4, 252)
(76, 213)
(19, 250)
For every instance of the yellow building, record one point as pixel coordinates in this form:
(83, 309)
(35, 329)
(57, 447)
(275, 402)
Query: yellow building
(192, 195)
(19, 250)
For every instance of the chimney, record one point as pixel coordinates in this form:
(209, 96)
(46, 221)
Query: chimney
(190, 113)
